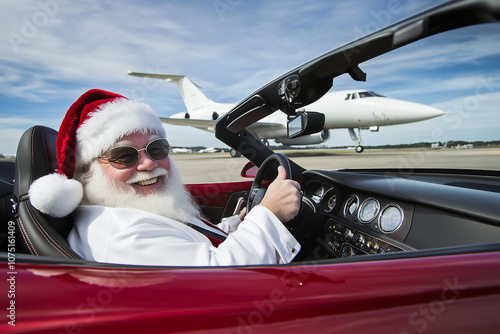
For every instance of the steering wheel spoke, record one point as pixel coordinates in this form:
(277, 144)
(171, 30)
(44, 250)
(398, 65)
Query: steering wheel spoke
(256, 196)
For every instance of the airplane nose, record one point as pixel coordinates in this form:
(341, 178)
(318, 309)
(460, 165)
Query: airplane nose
(414, 112)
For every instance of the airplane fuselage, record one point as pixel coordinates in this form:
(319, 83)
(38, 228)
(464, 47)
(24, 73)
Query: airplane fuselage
(343, 111)
(350, 109)
(340, 112)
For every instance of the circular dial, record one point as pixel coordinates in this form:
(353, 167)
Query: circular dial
(350, 206)
(391, 218)
(317, 194)
(330, 199)
(368, 210)
(346, 251)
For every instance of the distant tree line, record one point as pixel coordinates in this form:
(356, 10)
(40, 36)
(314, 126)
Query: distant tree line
(414, 145)
(448, 144)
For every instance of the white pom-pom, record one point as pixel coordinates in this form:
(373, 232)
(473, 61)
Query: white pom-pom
(55, 195)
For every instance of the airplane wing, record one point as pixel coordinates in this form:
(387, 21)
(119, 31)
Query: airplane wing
(202, 124)
(262, 130)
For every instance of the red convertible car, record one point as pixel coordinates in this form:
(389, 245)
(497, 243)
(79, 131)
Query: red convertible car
(400, 250)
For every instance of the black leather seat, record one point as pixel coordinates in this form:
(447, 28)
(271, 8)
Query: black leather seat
(37, 233)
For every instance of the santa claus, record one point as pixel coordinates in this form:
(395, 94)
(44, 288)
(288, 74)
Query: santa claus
(116, 178)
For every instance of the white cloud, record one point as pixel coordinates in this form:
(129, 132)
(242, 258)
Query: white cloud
(9, 139)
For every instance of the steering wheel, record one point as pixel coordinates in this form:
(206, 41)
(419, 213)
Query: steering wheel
(257, 192)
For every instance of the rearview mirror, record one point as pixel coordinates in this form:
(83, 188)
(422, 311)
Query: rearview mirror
(306, 123)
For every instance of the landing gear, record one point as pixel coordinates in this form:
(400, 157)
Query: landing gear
(234, 153)
(265, 141)
(357, 138)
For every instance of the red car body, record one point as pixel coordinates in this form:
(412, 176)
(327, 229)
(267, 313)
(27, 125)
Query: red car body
(429, 293)
(401, 296)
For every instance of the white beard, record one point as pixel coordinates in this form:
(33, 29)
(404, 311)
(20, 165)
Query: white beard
(173, 201)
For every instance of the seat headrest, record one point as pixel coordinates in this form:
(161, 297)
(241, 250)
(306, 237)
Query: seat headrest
(38, 233)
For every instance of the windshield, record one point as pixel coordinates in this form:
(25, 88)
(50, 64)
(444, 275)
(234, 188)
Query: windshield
(456, 72)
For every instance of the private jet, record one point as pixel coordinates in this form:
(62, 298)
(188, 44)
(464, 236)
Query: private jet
(350, 109)
(181, 150)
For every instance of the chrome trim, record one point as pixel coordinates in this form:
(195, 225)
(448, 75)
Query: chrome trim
(390, 205)
(309, 202)
(324, 198)
(345, 206)
(363, 221)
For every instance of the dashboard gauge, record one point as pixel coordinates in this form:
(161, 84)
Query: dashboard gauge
(368, 210)
(317, 194)
(330, 200)
(350, 206)
(391, 218)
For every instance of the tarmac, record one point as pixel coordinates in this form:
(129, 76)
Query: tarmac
(221, 167)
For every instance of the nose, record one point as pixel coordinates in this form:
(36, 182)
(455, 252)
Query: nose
(145, 162)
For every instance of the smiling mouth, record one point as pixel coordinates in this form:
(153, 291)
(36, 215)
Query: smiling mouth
(147, 182)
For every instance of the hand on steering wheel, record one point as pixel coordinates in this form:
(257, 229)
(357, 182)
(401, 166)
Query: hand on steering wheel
(282, 196)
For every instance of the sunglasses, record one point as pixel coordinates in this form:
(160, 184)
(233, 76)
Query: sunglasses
(123, 157)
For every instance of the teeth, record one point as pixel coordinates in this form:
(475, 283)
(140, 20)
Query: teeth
(148, 182)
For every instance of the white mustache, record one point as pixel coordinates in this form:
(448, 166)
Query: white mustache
(143, 176)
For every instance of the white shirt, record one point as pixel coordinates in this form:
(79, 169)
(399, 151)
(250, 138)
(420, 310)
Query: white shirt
(132, 236)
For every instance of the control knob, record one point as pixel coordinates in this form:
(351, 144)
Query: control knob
(360, 240)
(348, 234)
(347, 251)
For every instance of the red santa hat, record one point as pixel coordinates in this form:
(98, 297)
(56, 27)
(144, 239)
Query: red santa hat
(96, 121)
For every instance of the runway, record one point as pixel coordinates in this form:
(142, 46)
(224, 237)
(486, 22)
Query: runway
(221, 167)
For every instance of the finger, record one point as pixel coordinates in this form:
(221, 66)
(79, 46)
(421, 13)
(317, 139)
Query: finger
(281, 173)
(242, 213)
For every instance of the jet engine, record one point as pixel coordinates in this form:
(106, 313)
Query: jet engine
(315, 138)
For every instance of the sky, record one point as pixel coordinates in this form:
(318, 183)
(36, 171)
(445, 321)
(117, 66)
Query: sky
(52, 51)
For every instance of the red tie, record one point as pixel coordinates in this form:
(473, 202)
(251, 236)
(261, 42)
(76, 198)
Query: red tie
(212, 226)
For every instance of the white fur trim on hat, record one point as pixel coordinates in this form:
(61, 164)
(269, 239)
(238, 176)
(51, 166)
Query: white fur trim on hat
(112, 121)
(55, 195)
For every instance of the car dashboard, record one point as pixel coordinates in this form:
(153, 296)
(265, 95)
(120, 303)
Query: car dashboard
(353, 213)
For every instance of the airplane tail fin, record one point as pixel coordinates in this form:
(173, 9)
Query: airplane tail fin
(191, 94)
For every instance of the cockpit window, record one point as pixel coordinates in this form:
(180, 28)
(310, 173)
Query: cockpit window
(361, 95)
(369, 94)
